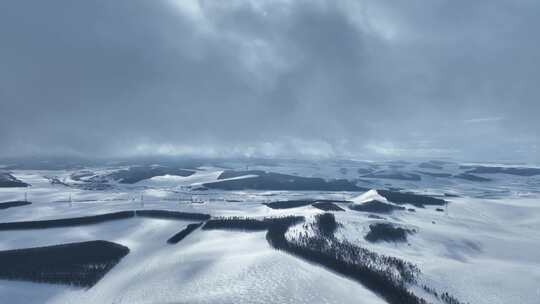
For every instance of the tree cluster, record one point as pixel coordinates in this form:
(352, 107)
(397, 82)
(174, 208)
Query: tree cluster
(183, 233)
(80, 264)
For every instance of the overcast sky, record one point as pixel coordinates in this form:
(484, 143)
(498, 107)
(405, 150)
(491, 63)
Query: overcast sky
(271, 78)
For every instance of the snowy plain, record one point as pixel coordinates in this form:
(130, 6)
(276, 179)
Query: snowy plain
(484, 247)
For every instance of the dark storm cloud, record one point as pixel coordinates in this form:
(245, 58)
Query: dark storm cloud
(271, 78)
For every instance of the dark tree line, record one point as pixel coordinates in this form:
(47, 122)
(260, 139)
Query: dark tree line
(323, 204)
(417, 200)
(326, 224)
(6, 205)
(387, 232)
(327, 206)
(165, 214)
(94, 219)
(250, 224)
(80, 264)
(375, 207)
(69, 222)
(236, 223)
(183, 233)
(289, 204)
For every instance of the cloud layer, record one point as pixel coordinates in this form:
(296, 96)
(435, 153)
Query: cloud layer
(271, 78)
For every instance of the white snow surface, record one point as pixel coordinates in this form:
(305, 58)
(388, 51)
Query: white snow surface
(483, 249)
(206, 267)
(371, 195)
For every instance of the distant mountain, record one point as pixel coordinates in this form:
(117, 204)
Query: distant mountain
(433, 174)
(277, 181)
(131, 175)
(7, 180)
(472, 177)
(521, 171)
(391, 174)
(138, 173)
(430, 165)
